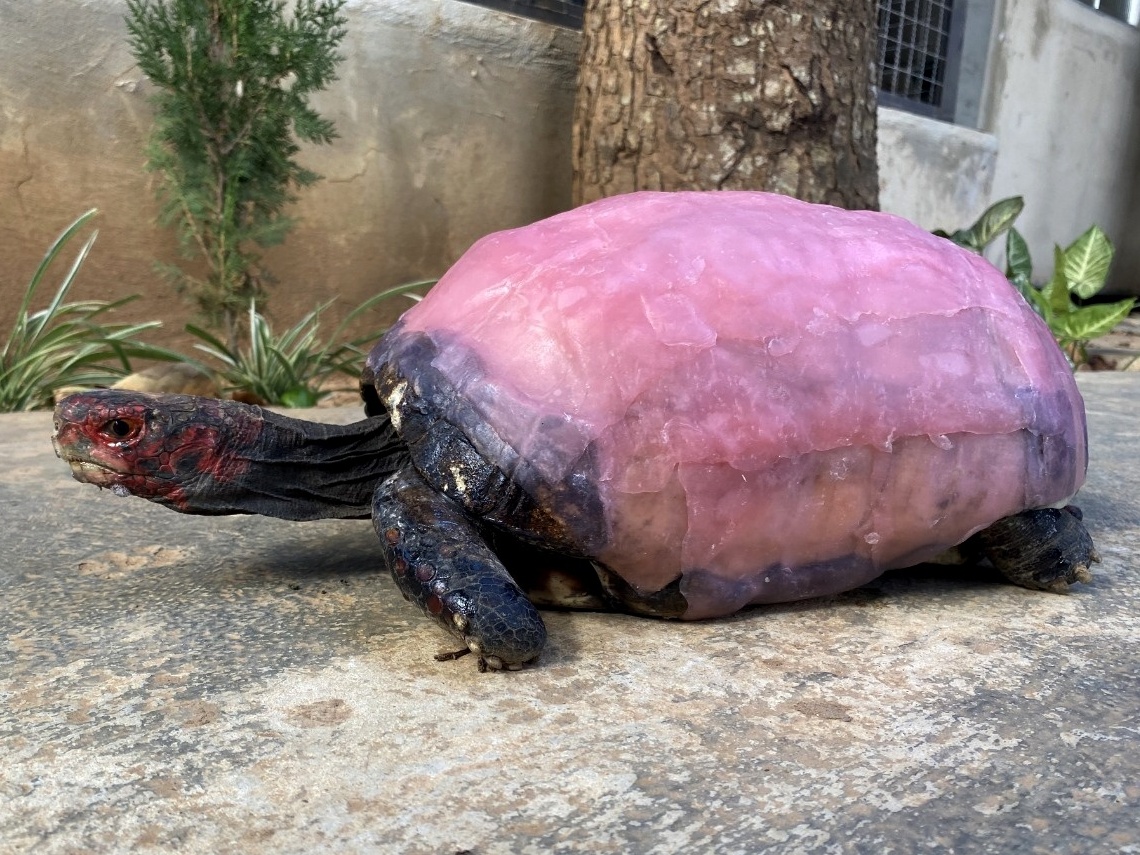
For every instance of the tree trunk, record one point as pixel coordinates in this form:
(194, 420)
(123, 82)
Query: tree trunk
(728, 95)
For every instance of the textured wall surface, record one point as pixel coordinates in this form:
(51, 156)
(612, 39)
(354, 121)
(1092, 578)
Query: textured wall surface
(454, 121)
(936, 174)
(1065, 83)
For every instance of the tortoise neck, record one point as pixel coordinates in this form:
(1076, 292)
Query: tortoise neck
(322, 470)
(299, 470)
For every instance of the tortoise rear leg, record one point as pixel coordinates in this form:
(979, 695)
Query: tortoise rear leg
(440, 561)
(1048, 548)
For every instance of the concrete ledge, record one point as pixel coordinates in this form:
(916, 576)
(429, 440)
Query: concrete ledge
(246, 685)
(934, 173)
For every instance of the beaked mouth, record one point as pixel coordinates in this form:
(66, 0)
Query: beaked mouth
(90, 472)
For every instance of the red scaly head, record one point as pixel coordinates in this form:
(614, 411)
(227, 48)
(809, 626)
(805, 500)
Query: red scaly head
(177, 450)
(205, 456)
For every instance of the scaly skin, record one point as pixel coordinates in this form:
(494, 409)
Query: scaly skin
(440, 562)
(1047, 549)
(205, 456)
(127, 443)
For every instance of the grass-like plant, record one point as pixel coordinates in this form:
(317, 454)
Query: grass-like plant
(66, 344)
(1079, 270)
(292, 368)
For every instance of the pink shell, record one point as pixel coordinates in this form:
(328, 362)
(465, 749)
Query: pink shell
(768, 386)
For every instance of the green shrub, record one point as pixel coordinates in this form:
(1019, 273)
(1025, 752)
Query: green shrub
(1079, 269)
(233, 80)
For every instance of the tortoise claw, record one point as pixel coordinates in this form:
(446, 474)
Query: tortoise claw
(451, 656)
(484, 663)
(440, 561)
(1061, 585)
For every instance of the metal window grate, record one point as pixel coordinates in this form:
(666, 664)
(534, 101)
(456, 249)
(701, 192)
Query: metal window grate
(1125, 10)
(919, 44)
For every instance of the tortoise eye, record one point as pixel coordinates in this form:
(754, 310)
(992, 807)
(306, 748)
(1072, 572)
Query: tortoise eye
(119, 428)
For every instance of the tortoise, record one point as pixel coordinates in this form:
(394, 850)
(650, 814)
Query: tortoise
(669, 404)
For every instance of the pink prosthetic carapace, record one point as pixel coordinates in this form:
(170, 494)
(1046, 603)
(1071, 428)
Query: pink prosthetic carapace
(781, 400)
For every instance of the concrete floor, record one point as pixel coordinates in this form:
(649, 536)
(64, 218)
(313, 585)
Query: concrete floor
(244, 685)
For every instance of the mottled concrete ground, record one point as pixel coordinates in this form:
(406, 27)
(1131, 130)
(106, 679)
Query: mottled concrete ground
(241, 685)
(1120, 349)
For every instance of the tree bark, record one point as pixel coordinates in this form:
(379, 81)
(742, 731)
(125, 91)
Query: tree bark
(728, 95)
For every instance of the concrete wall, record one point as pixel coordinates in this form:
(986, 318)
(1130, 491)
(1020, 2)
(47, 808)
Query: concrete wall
(1126, 274)
(974, 64)
(936, 174)
(1058, 126)
(455, 121)
(1065, 85)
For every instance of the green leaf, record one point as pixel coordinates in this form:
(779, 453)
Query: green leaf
(408, 289)
(997, 219)
(1018, 264)
(1057, 290)
(54, 250)
(1089, 322)
(1085, 262)
(207, 337)
(963, 237)
(1034, 296)
(300, 397)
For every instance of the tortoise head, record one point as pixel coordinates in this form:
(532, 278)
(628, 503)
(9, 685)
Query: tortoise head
(206, 456)
(177, 450)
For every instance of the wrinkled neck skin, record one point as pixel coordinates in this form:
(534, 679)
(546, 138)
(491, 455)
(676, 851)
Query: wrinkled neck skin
(300, 470)
(205, 456)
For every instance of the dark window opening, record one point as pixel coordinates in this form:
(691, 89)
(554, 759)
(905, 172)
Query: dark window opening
(568, 13)
(920, 42)
(1126, 10)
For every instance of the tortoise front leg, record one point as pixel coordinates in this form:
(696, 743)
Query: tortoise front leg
(441, 562)
(1048, 549)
